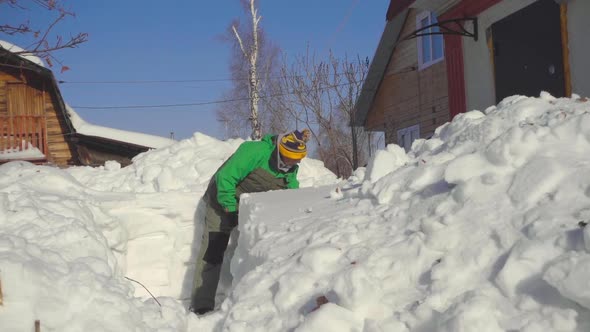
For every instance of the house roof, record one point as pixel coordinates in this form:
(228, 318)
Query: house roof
(436, 6)
(378, 66)
(76, 126)
(34, 64)
(396, 7)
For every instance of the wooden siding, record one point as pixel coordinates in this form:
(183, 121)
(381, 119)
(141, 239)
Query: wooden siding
(396, 7)
(60, 148)
(22, 100)
(25, 93)
(408, 96)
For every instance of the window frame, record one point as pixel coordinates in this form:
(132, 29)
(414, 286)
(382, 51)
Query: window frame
(403, 133)
(431, 19)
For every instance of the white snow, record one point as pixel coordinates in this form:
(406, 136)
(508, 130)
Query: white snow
(24, 151)
(85, 128)
(476, 229)
(28, 56)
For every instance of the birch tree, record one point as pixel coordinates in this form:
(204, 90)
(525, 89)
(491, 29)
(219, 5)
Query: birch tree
(234, 115)
(251, 54)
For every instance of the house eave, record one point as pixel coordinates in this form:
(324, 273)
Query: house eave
(378, 67)
(46, 73)
(436, 6)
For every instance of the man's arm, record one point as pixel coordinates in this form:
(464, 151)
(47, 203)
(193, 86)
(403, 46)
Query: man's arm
(292, 182)
(246, 158)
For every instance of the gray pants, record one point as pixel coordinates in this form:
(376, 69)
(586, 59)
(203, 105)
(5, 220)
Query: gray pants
(219, 226)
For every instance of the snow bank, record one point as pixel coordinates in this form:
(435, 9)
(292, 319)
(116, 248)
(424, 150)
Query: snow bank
(476, 229)
(69, 238)
(57, 261)
(481, 228)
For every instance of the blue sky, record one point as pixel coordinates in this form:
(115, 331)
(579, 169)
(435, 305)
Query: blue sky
(139, 40)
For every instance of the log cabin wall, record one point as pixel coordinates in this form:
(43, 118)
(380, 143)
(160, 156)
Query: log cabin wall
(61, 150)
(27, 93)
(408, 96)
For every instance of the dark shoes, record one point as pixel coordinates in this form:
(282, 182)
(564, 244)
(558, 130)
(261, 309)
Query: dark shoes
(200, 311)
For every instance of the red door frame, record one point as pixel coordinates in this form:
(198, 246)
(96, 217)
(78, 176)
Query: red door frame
(454, 52)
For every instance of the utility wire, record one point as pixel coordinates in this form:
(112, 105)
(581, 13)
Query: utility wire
(181, 81)
(212, 102)
(149, 81)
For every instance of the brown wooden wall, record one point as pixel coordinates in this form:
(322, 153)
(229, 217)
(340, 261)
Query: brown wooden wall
(61, 150)
(408, 96)
(27, 93)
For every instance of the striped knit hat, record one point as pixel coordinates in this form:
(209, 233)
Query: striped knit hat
(292, 145)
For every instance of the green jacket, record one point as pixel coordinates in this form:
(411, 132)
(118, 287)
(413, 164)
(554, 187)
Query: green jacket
(252, 168)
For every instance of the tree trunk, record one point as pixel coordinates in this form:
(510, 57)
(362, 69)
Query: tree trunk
(252, 56)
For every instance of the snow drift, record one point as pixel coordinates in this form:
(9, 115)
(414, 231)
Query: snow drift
(69, 238)
(480, 228)
(475, 229)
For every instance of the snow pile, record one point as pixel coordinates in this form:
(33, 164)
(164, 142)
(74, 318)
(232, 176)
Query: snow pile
(68, 238)
(186, 166)
(476, 229)
(481, 228)
(24, 151)
(57, 261)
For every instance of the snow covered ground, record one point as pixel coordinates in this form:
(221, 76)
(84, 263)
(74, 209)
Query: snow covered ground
(479, 228)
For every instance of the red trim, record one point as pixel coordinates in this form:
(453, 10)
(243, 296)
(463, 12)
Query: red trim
(455, 74)
(469, 8)
(454, 52)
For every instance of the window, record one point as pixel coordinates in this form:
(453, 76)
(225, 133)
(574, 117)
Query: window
(430, 47)
(407, 136)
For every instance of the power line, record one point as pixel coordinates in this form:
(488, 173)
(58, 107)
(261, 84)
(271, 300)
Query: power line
(342, 23)
(181, 81)
(148, 81)
(211, 102)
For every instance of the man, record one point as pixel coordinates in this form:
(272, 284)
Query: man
(256, 166)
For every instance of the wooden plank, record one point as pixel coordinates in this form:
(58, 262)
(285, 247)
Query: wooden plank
(9, 78)
(565, 50)
(21, 132)
(54, 129)
(3, 133)
(24, 100)
(57, 146)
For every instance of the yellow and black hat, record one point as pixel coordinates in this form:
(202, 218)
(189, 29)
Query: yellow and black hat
(293, 145)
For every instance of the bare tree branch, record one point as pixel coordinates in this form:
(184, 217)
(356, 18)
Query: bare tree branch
(40, 44)
(324, 92)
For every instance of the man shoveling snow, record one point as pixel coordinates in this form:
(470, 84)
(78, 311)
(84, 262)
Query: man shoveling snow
(268, 164)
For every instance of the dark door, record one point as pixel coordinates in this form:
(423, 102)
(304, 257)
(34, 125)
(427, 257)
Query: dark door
(528, 55)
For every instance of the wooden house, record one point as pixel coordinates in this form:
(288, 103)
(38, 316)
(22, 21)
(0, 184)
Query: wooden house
(491, 49)
(35, 124)
(405, 94)
(520, 47)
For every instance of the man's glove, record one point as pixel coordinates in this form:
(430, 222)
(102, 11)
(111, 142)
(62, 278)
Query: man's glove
(232, 217)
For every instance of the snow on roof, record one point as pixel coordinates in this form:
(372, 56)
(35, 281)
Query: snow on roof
(27, 56)
(84, 128)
